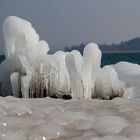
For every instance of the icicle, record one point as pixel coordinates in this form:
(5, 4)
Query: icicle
(37, 87)
(16, 85)
(75, 78)
(25, 84)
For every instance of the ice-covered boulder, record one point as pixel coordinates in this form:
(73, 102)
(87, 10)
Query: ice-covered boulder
(129, 73)
(108, 84)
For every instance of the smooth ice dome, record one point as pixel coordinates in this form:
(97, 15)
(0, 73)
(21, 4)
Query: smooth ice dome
(108, 84)
(30, 72)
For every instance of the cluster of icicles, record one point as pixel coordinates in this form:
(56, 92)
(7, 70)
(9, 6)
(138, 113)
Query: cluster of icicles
(30, 72)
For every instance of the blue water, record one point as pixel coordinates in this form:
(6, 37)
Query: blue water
(2, 57)
(112, 58)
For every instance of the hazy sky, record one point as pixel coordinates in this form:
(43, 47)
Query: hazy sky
(68, 22)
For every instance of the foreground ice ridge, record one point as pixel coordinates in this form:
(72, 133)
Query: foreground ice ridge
(30, 72)
(50, 119)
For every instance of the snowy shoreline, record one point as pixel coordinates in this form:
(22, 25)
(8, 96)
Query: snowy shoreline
(47, 119)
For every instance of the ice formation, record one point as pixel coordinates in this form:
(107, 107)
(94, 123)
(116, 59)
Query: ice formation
(108, 84)
(30, 72)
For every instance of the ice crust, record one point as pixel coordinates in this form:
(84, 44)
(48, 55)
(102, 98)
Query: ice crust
(47, 119)
(30, 72)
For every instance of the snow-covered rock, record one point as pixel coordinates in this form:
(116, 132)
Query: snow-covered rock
(108, 84)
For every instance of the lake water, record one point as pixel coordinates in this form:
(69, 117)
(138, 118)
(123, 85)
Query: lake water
(112, 58)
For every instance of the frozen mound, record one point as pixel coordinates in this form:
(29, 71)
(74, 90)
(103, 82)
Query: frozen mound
(30, 72)
(108, 84)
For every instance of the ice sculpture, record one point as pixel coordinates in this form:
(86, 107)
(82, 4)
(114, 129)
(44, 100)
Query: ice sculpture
(30, 72)
(22, 50)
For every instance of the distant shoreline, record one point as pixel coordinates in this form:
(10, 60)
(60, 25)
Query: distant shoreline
(109, 52)
(114, 52)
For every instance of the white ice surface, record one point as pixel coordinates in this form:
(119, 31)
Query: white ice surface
(46, 119)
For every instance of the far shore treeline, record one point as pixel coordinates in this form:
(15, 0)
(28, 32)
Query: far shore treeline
(132, 45)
